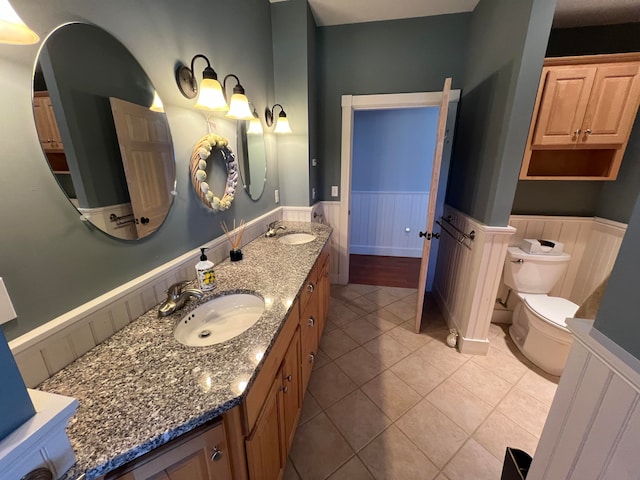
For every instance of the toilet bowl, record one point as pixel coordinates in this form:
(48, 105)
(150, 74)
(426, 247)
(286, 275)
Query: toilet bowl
(538, 326)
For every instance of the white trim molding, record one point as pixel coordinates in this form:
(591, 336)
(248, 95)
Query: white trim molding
(593, 427)
(350, 103)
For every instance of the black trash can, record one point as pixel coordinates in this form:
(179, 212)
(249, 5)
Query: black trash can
(516, 464)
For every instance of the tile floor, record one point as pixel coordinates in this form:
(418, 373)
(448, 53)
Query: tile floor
(386, 403)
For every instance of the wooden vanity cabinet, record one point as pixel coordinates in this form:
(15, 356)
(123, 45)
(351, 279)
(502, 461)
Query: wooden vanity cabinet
(46, 123)
(200, 455)
(324, 286)
(584, 112)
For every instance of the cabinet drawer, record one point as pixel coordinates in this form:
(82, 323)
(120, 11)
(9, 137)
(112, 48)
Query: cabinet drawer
(310, 286)
(309, 326)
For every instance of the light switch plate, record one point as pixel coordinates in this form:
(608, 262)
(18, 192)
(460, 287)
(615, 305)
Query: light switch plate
(7, 312)
(314, 162)
(334, 190)
(313, 193)
(277, 195)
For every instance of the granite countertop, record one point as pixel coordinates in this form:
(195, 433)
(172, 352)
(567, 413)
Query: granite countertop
(141, 388)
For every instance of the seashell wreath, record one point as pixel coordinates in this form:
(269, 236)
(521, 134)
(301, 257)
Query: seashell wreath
(198, 166)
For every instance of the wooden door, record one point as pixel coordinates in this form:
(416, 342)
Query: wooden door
(264, 448)
(291, 394)
(612, 106)
(433, 194)
(147, 157)
(46, 124)
(563, 105)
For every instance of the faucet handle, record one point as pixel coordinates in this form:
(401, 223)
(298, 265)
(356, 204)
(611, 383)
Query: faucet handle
(176, 288)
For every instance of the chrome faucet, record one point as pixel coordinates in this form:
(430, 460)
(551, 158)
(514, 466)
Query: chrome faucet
(177, 296)
(273, 227)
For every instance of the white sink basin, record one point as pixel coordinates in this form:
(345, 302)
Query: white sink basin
(219, 320)
(297, 238)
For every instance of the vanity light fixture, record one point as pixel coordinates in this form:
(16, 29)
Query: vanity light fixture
(210, 95)
(156, 105)
(282, 125)
(239, 104)
(12, 29)
(255, 125)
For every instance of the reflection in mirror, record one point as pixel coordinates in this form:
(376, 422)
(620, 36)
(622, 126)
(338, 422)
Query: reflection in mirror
(103, 135)
(252, 157)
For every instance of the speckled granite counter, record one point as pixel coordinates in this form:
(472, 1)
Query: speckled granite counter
(141, 388)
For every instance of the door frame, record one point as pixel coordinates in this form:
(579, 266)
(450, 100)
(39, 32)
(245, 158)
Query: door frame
(351, 103)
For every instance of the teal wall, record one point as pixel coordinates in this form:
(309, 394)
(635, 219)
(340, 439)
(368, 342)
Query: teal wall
(52, 262)
(614, 200)
(506, 50)
(413, 55)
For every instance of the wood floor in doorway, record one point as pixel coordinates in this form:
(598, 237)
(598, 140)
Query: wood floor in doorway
(388, 271)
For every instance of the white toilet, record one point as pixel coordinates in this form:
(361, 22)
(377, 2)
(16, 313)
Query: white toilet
(538, 326)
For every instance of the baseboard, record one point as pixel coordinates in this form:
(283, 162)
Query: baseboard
(501, 315)
(473, 346)
(384, 251)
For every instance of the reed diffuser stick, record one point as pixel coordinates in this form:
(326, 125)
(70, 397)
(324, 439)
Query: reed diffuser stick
(234, 237)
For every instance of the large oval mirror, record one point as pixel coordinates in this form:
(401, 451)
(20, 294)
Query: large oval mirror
(103, 131)
(252, 157)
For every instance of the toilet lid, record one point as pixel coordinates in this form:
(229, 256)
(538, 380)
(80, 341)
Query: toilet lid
(553, 309)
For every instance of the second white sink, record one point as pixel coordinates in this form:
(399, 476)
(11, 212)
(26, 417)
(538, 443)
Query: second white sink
(297, 238)
(219, 320)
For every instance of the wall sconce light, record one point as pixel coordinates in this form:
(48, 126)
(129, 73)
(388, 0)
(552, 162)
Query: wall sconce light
(239, 104)
(12, 29)
(255, 125)
(282, 125)
(210, 96)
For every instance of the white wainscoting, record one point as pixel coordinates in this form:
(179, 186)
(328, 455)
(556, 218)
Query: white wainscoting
(379, 221)
(297, 214)
(467, 278)
(47, 349)
(593, 243)
(593, 427)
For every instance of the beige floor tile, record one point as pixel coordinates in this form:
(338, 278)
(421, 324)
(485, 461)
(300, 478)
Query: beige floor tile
(482, 383)
(438, 354)
(400, 292)
(354, 469)
(473, 462)
(321, 359)
(362, 331)
(495, 329)
(360, 365)
(502, 364)
(330, 384)
(364, 289)
(392, 456)
(525, 410)
(358, 419)
(539, 385)
(460, 405)
(419, 374)
(432, 431)
(408, 338)
(442, 476)
(502, 341)
(389, 316)
(391, 394)
(318, 449)
(387, 349)
(378, 321)
(345, 292)
(290, 472)
(361, 305)
(403, 309)
(498, 432)
(337, 343)
(329, 326)
(340, 315)
(381, 297)
(310, 408)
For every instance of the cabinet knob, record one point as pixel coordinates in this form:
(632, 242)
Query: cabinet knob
(216, 454)
(587, 131)
(311, 322)
(577, 132)
(285, 389)
(312, 357)
(289, 378)
(310, 287)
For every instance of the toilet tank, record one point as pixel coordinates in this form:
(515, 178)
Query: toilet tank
(529, 273)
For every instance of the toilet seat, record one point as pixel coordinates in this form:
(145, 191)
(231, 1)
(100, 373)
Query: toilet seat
(554, 310)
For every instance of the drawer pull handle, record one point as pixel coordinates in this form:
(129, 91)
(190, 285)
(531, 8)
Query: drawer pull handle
(312, 357)
(285, 389)
(311, 322)
(289, 378)
(310, 288)
(216, 455)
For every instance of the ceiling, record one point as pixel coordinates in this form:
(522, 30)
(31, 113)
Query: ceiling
(569, 13)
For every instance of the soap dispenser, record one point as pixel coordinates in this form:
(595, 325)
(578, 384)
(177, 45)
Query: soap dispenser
(205, 274)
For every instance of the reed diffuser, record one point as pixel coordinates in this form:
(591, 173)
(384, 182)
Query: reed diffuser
(234, 237)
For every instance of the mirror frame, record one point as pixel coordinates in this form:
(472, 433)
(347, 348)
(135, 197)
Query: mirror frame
(244, 160)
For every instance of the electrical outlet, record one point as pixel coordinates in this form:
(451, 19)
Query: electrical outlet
(314, 162)
(313, 193)
(277, 195)
(334, 190)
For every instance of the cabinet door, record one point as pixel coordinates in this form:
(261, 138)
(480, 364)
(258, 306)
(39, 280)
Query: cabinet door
(309, 339)
(563, 105)
(265, 456)
(612, 106)
(324, 290)
(291, 394)
(46, 125)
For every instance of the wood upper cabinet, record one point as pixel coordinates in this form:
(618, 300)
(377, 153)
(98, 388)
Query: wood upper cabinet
(46, 123)
(584, 112)
(200, 456)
